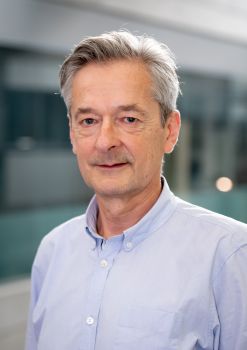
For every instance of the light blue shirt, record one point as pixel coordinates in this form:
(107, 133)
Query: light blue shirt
(175, 280)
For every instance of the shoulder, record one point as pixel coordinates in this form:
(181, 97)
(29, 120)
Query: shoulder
(210, 232)
(64, 231)
(208, 220)
(57, 240)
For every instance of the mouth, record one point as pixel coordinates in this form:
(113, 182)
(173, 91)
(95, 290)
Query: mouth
(112, 166)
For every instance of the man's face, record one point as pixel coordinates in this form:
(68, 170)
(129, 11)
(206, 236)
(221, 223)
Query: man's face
(116, 129)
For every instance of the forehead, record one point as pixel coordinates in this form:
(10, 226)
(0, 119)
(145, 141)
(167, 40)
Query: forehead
(106, 86)
(118, 73)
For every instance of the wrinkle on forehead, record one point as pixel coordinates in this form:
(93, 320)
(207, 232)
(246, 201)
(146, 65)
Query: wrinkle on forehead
(114, 84)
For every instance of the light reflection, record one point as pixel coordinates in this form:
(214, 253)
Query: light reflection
(224, 184)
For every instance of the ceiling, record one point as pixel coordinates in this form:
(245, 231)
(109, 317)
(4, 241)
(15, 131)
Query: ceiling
(224, 19)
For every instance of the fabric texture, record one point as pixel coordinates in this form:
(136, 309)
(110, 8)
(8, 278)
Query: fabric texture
(175, 280)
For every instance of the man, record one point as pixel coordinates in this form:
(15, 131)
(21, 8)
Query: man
(142, 269)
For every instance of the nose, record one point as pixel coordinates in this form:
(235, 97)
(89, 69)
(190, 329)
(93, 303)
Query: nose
(108, 136)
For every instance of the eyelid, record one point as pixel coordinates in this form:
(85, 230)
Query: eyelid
(82, 121)
(131, 115)
(85, 117)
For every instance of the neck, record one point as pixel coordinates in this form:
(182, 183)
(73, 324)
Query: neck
(120, 213)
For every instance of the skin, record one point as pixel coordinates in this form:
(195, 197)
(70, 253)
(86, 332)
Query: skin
(118, 139)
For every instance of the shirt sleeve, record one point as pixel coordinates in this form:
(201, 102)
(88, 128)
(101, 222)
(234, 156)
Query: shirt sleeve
(39, 269)
(31, 342)
(230, 290)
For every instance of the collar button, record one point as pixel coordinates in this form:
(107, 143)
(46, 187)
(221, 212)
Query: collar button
(128, 245)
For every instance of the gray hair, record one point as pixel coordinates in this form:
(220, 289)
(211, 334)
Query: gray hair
(123, 45)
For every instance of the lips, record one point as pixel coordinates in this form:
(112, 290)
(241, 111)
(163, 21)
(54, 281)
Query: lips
(111, 166)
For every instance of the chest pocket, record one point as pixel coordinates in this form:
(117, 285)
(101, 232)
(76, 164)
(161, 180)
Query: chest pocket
(145, 328)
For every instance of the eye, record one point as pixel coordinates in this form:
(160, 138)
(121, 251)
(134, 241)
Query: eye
(130, 120)
(88, 121)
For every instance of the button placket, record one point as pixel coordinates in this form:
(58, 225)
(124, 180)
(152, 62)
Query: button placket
(105, 253)
(90, 320)
(103, 263)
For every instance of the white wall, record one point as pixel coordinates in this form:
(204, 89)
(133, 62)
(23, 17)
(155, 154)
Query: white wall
(225, 19)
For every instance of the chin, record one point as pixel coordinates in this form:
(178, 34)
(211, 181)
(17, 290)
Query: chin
(112, 190)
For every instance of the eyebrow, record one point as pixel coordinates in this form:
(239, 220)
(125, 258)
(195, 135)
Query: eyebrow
(122, 108)
(132, 107)
(85, 110)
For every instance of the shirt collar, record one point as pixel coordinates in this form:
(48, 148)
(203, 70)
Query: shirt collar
(152, 220)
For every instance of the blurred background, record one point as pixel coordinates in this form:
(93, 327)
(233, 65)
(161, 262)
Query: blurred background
(40, 185)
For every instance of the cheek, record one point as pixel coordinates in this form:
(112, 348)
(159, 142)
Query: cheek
(84, 145)
(144, 154)
(82, 151)
(156, 144)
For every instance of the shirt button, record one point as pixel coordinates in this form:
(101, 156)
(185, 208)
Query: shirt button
(129, 245)
(103, 263)
(90, 320)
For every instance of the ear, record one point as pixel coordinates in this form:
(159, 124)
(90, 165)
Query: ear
(72, 137)
(172, 128)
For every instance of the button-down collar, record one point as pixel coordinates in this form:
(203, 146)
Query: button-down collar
(154, 218)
